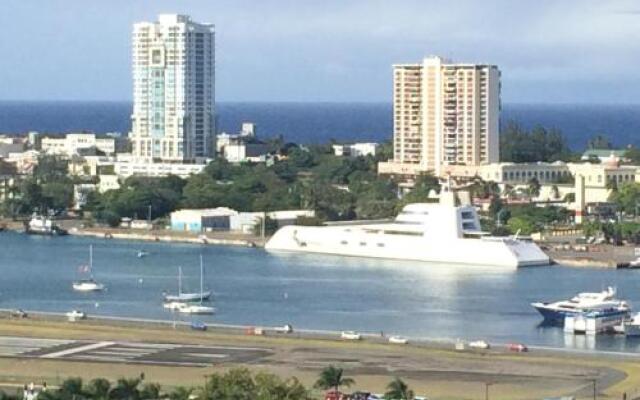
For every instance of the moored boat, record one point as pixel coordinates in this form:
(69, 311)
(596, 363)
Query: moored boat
(555, 312)
(88, 284)
(444, 232)
(41, 225)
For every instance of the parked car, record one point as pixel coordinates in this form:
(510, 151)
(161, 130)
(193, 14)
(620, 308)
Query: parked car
(198, 326)
(284, 329)
(350, 335)
(479, 344)
(19, 313)
(398, 340)
(75, 315)
(518, 347)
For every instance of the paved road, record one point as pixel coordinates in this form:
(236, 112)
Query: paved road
(128, 352)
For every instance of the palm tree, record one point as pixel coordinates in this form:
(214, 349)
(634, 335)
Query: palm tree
(181, 393)
(333, 377)
(534, 188)
(150, 391)
(397, 389)
(98, 389)
(126, 389)
(71, 388)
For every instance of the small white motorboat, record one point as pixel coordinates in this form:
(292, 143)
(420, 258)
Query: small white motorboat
(142, 254)
(87, 285)
(196, 309)
(173, 305)
(635, 263)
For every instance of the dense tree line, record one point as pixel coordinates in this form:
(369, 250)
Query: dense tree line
(49, 189)
(337, 188)
(236, 384)
(539, 144)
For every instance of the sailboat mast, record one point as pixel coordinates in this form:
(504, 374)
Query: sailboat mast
(179, 281)
(90, 259)
(201, 278)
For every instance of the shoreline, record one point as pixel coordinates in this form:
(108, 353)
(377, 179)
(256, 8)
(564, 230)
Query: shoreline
(432, 369)
(610, 258)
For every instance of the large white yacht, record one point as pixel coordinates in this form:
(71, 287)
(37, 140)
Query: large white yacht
(555, 312)
(443, 232)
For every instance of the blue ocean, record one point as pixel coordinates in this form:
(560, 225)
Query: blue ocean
(319, 122)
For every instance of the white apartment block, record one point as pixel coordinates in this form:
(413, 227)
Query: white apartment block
(444, 114)
(77, 143)
(124, 169)
(173, 90)
(355, 149)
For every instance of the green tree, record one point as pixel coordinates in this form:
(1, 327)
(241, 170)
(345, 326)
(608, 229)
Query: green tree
(332, 377)
(71, 389)
(599, 142)
(522, 225)
(627, 197)
(519, 145)
(533, 189)
(98, 389)
(150, 391)
(126, 389)
(237, 384)
(632, 155)
(181, 393)
(397, 389)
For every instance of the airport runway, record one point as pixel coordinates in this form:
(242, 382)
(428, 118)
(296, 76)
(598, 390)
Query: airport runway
(128, 352)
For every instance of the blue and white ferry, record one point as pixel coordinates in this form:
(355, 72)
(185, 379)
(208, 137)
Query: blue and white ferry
(555, 312)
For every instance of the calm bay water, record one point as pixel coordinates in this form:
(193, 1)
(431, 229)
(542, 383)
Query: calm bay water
(318, 292)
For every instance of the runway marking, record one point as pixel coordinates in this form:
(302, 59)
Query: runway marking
(117, 353)
(226, 347)
(205, 355)
(91, 357)
(132, 351)
(80, 349)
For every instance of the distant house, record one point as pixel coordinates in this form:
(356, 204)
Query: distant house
(226, 219)
(603, 155)
(243, 146)
(355, 149)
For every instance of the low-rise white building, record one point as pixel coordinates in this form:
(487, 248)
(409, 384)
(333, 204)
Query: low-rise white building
(237, 152)
(125, 169)
(226, 219)
(108, 182)
(77, 144)
(355, 149)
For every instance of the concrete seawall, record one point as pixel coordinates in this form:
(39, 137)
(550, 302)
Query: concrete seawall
(165, 237)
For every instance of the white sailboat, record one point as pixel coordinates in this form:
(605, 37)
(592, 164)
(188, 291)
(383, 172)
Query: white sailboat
(90, 284)
(181, 297)
(199, 308)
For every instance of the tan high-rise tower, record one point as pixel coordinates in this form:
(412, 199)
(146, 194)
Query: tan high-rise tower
(444, 114)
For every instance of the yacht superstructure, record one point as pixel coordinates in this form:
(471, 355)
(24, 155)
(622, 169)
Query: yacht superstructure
(443, 232)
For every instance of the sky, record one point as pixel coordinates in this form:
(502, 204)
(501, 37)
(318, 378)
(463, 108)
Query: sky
(571, 51)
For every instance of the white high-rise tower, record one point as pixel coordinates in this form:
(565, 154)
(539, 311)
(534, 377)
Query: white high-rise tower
(173, 90)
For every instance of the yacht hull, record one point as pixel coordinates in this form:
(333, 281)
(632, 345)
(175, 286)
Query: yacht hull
(495, 252)
(553, 316)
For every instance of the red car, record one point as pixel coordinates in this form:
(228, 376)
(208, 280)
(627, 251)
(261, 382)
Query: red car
(519, 347)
